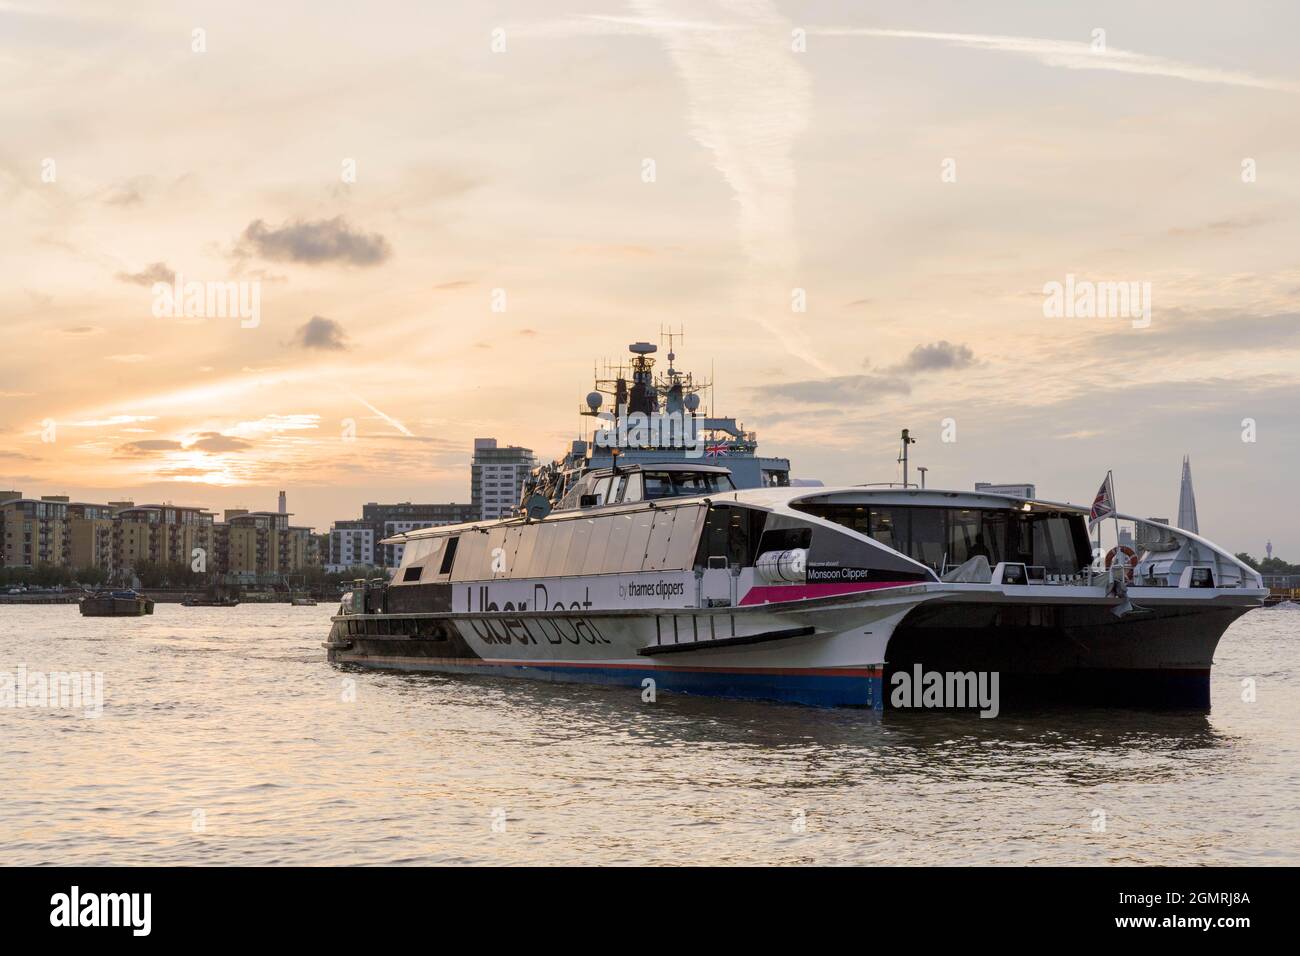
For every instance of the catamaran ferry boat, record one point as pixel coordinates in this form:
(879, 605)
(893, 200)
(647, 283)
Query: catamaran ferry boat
(663, 572)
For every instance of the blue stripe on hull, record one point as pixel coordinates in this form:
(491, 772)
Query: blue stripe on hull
(816, 690)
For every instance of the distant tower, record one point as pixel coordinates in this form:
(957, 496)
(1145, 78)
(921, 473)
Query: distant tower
(284, 504)
(1268, 550)
(1187, 500)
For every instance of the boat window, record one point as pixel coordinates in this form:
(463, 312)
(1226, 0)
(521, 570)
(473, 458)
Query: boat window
(701, 483)
(889, 526)
(772, 478)
(785, 539)
(411, 574)
(449, 556)
(633, 490)
(616, 488)
(601, 490)
(731, 534)
(927, 540)
(1055, 541)
(658, 484)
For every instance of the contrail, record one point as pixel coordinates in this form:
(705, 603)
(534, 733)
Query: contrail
(388, 418)
(1073, 55)
(748, 101)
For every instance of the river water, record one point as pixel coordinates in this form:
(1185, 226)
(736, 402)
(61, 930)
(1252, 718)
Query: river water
(225, 738)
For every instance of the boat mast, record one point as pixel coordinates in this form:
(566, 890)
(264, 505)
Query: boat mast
(903, 457)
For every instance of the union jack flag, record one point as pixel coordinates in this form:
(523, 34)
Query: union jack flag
(1103, 506)
(713, 451)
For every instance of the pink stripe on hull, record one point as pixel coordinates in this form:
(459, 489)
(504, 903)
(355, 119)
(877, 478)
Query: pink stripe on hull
(780, 593)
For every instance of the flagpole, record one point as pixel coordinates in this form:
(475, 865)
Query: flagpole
(1114, 504)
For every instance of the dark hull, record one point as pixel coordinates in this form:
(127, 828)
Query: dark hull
(1076, 655)
(116, 607)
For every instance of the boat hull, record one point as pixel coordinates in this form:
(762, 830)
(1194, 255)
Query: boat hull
(1079, 654)
(841, 650)
(116, 607)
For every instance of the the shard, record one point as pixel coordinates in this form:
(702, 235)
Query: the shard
(1187, 500)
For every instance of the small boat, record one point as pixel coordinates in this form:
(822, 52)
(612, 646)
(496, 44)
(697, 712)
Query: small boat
(210, 602)
(127, 603)
(303, 602)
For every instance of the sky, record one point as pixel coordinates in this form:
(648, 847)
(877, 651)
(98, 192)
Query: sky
(441, 217)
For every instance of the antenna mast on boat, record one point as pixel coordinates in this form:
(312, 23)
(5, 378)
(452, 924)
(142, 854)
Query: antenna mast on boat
(902, 458)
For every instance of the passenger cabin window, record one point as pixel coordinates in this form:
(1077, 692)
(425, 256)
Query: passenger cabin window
(946, 537)
(449, 556)
(411, 574)
(658, 484)
(602, 491)
(730, 537)
(680, 484)
(785, 539)
(634, 489)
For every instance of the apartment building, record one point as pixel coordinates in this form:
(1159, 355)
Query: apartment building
(497, 477)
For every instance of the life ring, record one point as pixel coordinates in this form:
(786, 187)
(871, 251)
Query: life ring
(1132, 559)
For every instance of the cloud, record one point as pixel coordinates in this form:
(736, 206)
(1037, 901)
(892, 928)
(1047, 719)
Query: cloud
(1221, 227)
(936, 357)
(834, 390)
(1075, 55)
(147, 446)
(115, 420)
(154, 272)
(1211, 331)
(321, 333)
(315, 242)
(217, 442)
(129, 193)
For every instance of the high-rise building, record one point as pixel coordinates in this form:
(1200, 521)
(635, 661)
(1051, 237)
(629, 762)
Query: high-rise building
(497, 477)
(1187, 500)
(388, 520)
(284, 504)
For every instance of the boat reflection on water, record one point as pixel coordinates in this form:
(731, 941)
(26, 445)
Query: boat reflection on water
(1081, 746)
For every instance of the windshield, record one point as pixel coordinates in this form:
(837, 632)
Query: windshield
(670, 484)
